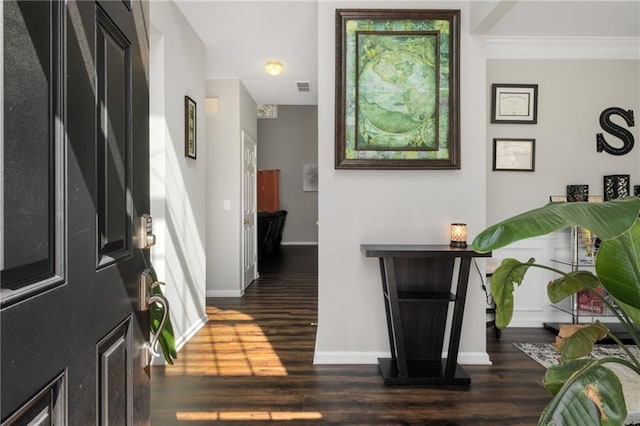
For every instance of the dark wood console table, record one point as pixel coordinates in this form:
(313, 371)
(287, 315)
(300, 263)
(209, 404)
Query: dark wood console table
(417, 288)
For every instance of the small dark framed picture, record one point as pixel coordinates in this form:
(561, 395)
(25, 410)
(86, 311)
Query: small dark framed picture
(514, 103)
(189, 127)
(514, 154)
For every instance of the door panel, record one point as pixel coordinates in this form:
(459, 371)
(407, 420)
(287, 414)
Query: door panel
(45, 408)
(29, 254)
(113, 65)
(81, 341)
(249, 212)
(114, 371)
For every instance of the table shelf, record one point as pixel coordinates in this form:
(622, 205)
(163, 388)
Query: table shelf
(425, 296)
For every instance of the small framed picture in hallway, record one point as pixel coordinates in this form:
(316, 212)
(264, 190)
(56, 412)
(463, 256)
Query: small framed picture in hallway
(189, 127)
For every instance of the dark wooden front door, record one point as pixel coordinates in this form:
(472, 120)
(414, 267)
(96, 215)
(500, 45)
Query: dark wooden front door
(74, 183)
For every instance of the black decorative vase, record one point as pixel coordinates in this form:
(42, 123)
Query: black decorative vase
(616, 186)
(577, 193)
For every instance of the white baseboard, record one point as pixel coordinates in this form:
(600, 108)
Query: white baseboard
(223, 293)
(299, 243)
(182, 340)
(526, 324)
(472, 358)
(338, 357)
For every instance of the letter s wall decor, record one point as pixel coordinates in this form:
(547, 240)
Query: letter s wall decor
(614, 129)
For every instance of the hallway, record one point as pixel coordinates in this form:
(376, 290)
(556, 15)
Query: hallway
(253, 362)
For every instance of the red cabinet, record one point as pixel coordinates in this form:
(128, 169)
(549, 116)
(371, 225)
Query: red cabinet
(268, 190)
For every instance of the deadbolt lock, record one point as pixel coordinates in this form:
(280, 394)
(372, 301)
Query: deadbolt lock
(146, 237)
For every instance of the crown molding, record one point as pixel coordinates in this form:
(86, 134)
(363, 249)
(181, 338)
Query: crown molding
(562, 47)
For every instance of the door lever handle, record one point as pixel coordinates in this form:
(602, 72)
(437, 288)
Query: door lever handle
(146, 298)
(162, 300)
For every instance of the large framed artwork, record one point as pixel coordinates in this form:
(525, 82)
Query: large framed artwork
(397, 89)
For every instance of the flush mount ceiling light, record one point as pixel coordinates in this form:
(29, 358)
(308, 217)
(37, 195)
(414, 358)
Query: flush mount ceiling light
(274, 67)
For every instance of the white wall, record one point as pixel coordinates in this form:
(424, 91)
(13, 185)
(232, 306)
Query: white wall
(357, 206)
(178, 185)
(572, 94)
(234, 112)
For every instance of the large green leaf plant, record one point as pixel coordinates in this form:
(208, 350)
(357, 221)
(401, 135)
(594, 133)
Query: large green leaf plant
(585, 391)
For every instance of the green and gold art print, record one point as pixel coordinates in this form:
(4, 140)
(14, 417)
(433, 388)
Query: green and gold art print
(397, 89)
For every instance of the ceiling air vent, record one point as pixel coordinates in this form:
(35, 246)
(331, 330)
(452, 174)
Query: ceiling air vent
(303, 86)
(267, 111)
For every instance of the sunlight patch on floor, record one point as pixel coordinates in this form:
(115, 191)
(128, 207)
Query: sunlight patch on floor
(247, 415)
(230, 344)
(216, 314)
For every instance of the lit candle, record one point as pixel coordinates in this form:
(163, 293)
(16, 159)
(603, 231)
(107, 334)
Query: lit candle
(458, 235)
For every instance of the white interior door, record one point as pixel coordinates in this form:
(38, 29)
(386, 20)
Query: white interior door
(249, 202)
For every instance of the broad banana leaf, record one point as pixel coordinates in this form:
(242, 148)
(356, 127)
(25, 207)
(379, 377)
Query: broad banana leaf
(618, 266)
(571, 283)
(580, 343)
(614, 222)
(510, 272)
(586, 393)
(557, 375)
(633, 313)
(606, 220)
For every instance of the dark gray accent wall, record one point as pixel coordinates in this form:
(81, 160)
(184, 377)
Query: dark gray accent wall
(288, 143)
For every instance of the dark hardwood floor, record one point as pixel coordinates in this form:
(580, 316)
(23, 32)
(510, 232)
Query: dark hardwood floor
(252, 363)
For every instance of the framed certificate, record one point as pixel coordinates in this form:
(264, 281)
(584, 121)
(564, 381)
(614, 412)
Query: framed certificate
(514, 154)
(514, 103)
